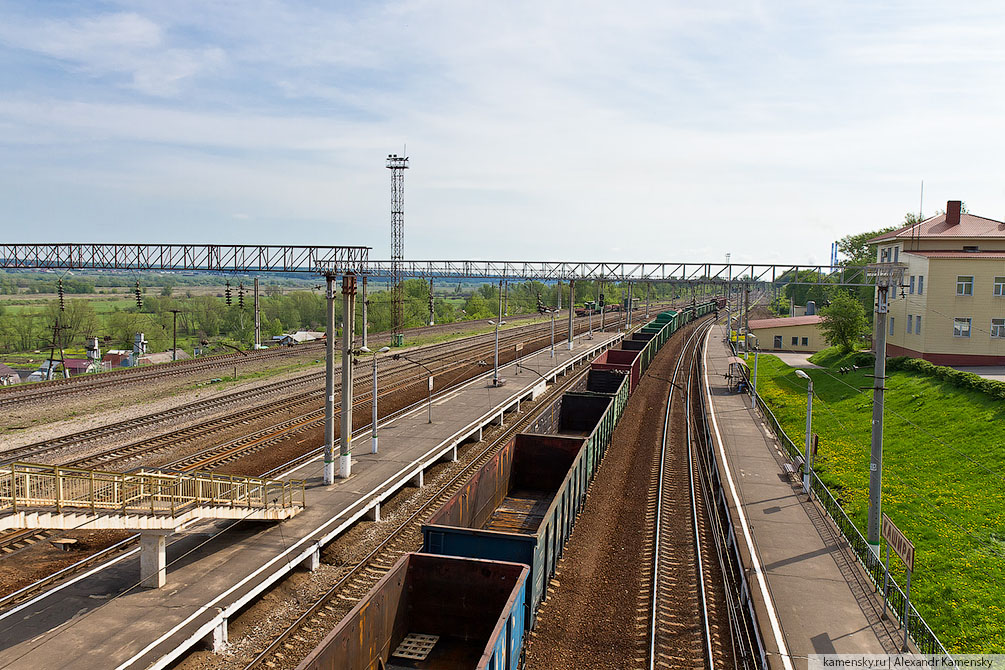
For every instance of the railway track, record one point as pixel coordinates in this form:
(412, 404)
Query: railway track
(11, 396)
(124, 457)
(309, 628)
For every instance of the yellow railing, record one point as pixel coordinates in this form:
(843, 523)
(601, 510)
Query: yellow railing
(30, 485)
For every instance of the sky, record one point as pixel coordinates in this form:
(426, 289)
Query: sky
(578, 131)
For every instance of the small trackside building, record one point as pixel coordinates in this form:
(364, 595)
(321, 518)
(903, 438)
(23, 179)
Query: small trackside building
(791, 333)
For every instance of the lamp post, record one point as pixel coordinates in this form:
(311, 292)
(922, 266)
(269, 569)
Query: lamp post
(809, 429)
(429, 396)
(495, 373)
(366, 350)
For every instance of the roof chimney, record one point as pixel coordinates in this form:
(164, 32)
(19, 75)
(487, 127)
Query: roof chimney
(953, 208)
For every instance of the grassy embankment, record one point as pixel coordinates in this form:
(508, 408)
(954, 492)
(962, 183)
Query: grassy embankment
(943, 483)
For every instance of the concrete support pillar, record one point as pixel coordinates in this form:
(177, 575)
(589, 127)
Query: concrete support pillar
(479, 435)
(373, 514)
(348, 312)
(418, 480)
(216, 641)
(572, 312)
(258, 319)
(365, 304)
(329, 457)
(153, 560)
(313, 560)
(449, 456)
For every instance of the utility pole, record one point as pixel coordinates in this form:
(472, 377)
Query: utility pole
(431, 314)
(888, 276)
(601, 305)
(506, 298)
(348, 314)
(329, 456)
(258, 319)
(746, 317)
(174, 327)
(558, 304)
(365, 304)
(572, 311)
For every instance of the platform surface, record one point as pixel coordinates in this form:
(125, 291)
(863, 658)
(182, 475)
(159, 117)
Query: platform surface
(823, 600)
(105, 621)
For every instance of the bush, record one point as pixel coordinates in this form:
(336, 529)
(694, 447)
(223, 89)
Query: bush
(864, 359)
(957, 378)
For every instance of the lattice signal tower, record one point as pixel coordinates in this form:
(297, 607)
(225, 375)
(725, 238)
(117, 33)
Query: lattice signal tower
(397, 165)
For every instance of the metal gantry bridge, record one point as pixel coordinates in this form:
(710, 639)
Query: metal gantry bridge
(342, 260)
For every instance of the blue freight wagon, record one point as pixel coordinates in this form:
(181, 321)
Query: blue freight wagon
(434, 612)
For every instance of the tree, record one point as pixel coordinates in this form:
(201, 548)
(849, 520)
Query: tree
(843, 322)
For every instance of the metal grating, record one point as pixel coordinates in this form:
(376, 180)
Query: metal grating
(416, 646)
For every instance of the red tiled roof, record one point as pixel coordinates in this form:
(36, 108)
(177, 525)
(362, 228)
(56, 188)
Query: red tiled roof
(970, 225)
(77, 364)
(781, 322)
(986, 255)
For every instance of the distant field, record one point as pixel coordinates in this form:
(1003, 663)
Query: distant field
(943, 484)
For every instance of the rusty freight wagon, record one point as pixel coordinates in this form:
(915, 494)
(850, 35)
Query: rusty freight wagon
(433, 612)
(629, 362)
(521, 505)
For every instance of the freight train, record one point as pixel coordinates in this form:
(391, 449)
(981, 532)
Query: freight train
(466, 600)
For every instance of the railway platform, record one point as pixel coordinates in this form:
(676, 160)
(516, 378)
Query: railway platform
(810, 594)
(104, 619)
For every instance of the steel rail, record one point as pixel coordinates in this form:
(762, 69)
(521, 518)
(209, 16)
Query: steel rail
(659, 500)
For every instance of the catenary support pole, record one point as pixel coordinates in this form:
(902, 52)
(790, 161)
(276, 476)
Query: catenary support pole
(365, 305)
(572, 312)
(876, 452)
(432, 316)
(329, 457)
(753, 395)
(348, 312)
(258, 319)
(603, 308)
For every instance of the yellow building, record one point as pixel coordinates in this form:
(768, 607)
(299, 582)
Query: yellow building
(791, 333)
(951, 307)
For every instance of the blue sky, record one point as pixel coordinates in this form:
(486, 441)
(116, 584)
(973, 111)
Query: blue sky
(637, 131)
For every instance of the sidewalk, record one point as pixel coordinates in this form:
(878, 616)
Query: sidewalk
(103, 621)
(812, 596)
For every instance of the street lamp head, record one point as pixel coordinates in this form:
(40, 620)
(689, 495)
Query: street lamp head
(364, 350)
(383, 350)
(800, 373)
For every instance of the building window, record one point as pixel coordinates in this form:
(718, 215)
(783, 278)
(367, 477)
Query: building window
(806, 341)
(917, 325)
(964, 285)
(909, 324)
(921, 284)
(961, 327)
(778, 342)
(795, 341)
(891, 325)
(896, 254)
(911, 288)
(1000, 286)
(997, 327)
(970, 249)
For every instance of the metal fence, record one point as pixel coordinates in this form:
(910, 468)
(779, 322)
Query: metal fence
(923, 637)
(31, 486)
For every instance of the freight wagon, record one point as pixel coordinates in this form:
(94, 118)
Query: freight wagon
(521, 505)
(435, 612)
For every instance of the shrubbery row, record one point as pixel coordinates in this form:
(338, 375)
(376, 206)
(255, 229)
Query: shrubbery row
(958, 378)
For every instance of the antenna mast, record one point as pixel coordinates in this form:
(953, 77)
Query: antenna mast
(397, 165)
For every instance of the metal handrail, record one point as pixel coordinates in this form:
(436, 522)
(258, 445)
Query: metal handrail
(32, 485)
(924, 638)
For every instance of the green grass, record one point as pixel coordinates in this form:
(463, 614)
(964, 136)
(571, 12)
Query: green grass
(943, 483)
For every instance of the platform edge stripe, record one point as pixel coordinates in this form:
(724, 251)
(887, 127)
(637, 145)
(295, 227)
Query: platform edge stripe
(776, 629)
